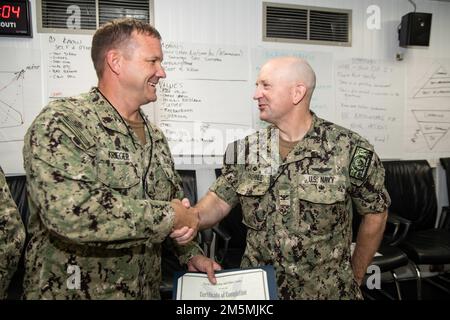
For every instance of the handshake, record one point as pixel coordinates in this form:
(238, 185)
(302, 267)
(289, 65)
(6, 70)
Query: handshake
(185, 227)
(186, 222)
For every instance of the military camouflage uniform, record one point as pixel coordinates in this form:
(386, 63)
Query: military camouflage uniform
(98, 203)
(299, 215)
(12, 236)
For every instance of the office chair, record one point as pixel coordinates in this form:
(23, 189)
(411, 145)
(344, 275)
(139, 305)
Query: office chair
(391, 257)
(445, 215)
(413, 194)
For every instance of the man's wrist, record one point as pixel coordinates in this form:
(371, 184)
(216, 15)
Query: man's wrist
(200, 219)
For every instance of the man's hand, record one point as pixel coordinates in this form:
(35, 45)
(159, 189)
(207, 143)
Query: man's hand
(185, 217)
(211, 209)
(185, 234)
(201, 263)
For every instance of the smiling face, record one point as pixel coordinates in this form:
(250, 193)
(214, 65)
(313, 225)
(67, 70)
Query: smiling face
(284, 87)
(141, 67)
(274, 92)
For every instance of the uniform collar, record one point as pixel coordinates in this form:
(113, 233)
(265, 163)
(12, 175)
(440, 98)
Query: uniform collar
(155, 133)
(269, 157)
(109, 117)
(309, 146)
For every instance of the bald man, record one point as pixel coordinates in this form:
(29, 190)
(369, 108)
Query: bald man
(296, 181)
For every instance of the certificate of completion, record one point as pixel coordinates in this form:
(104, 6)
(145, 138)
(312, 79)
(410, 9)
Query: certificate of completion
(235, 284)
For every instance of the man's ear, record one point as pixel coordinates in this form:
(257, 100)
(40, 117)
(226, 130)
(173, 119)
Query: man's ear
(114, 60)
(299, 93)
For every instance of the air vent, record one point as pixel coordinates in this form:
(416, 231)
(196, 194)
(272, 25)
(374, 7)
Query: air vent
(304, 24)
(63, 14)
(85, 16)
(287, 23)
(328, 26)
(111, 9)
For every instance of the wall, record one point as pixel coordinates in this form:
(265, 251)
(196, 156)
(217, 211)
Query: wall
(239, 23)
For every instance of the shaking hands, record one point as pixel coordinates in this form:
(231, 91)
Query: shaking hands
(186, 221)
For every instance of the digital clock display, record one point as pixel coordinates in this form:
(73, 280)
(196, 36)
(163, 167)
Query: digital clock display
(15, 18)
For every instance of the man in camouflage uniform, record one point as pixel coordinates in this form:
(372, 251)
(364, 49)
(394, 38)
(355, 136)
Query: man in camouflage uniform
(12, 236)
(101, 178)
(296, 181)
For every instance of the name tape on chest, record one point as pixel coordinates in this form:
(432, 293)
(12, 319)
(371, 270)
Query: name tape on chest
(118, 155)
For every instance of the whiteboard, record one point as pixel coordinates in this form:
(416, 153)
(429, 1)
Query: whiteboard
(206, 87)
(428, 108)
(370, 101)
(366, 95)
(68, 65)
(205, 101)
(20, 102)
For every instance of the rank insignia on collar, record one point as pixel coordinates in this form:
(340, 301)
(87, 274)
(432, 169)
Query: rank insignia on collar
(360, 163)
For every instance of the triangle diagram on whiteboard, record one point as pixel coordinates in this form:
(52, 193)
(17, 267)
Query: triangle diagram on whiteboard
(438, 85)
(434, 124)
(11, 99)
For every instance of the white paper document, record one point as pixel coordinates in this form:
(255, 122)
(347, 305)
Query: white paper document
(247, 284)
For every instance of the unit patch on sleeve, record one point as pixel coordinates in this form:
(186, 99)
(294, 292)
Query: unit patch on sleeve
(78, 134)
(360, 163)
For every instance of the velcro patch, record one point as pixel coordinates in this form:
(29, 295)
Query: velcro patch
(284, 201)
(321, 170)
(77, 128)
(360, 163)
(118, 155)
(318, 179)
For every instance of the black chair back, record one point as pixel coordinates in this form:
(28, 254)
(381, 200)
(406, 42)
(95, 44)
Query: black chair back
(445, 215)
(18, 187)
(413, 193)
(189, 181)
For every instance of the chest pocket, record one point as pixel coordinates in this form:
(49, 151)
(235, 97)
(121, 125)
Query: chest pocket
(163, 182)
(116, 169)
(322, 205)
(255, 199)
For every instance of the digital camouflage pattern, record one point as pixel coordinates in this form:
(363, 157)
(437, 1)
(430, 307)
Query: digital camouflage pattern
(12, 236)
(98, 203)
(299, 216)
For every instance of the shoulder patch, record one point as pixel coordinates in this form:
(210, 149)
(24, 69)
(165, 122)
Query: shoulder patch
(359, 165)
(77, 128)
